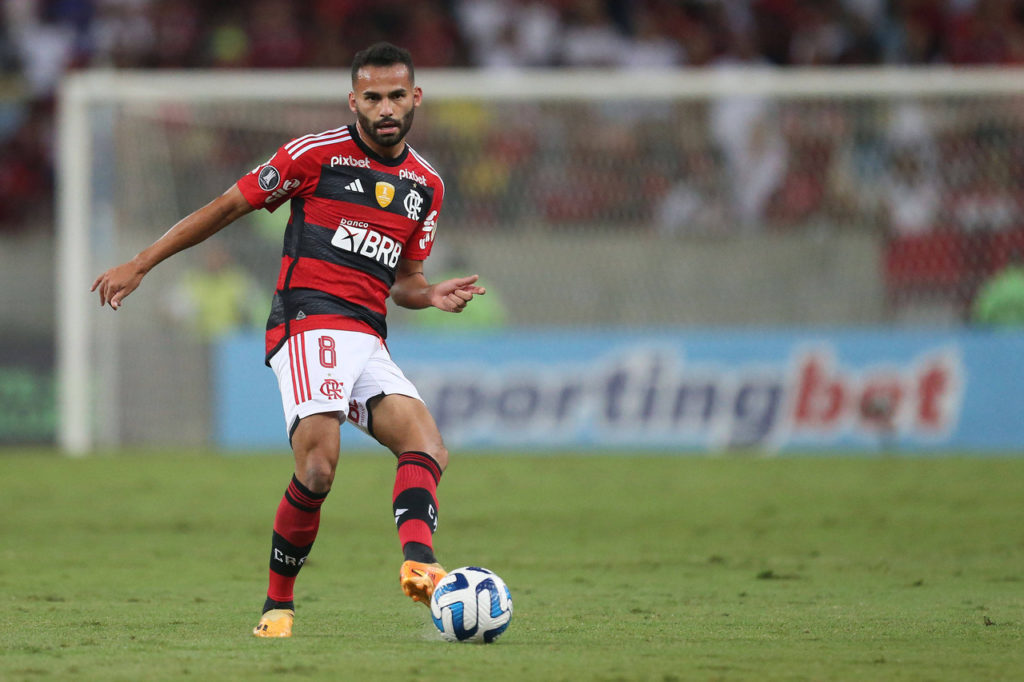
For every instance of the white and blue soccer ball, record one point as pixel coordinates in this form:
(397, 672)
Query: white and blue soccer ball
(471, 604)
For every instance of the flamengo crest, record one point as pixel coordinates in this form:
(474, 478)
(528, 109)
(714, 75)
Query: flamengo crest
(413, 203)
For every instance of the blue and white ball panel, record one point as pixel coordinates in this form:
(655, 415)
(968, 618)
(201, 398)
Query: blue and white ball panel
(471, 604)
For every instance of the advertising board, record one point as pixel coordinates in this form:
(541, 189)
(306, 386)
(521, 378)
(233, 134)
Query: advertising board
(684, 390)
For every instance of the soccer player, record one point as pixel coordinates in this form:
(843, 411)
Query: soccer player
(364, 209)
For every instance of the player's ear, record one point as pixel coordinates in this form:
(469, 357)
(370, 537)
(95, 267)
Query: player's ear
(352, 101)
(417, 96)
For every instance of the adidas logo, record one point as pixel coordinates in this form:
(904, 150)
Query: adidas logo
(300, 316)
(354, 186)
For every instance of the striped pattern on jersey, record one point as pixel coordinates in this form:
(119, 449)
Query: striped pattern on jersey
(301, 145)
(354, 216)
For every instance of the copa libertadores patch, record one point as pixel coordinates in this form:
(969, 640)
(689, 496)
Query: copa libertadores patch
(269, 178)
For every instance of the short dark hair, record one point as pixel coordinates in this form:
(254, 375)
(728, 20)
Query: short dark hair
(382, 54)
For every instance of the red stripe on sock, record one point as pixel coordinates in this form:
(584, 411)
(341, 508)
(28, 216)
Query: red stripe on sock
(421, 460)
(305, 497)
(295, 525)
(281, 588)
(415, 531)
(411, 476)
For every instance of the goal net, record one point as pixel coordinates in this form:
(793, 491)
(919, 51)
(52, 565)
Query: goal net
(585, 199)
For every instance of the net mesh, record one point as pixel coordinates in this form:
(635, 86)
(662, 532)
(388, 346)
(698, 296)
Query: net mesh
(738, 211)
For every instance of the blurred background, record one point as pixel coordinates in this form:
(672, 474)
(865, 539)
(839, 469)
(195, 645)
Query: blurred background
(678, 273)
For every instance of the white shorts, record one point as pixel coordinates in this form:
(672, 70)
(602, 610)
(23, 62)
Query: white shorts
(329, 370)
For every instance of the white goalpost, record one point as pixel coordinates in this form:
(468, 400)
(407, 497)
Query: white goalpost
(644, 199)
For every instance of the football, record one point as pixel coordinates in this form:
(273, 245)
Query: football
(471, 604)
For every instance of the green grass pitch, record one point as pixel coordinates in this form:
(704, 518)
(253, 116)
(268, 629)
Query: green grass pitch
(153, 567)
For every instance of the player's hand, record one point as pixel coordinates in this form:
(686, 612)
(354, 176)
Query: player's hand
(116, 283)
(452, 295)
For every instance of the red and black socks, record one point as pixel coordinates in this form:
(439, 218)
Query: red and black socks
(415, 504)
(295, 527)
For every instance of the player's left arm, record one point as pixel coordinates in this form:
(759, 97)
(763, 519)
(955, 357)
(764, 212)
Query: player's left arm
(412, 290)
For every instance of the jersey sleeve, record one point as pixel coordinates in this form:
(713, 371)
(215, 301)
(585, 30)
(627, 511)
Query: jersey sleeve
(279, 179)
(422, 240)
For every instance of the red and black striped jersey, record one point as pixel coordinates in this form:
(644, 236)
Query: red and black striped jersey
(354, 214)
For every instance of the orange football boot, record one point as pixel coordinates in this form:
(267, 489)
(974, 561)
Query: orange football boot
(275, 623)
(418, 580)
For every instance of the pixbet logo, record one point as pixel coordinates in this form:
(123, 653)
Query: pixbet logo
(348, 160)
(412, 175)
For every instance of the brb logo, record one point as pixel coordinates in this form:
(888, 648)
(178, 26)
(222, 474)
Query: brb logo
(356, 237)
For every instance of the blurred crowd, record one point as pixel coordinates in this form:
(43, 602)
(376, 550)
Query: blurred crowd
(40, 40)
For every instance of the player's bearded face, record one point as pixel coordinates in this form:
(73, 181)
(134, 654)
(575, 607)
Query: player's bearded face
(384, 100)
(386, 131)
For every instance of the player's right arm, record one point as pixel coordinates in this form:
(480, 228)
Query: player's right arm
(121, 280)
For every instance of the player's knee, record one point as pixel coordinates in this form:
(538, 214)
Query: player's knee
(315, 443)
(315, 466)
(440, 455)
(318, 473)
